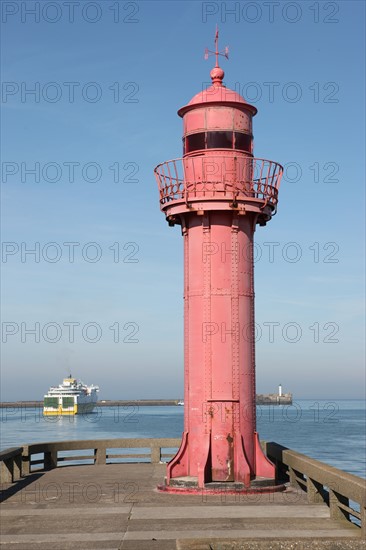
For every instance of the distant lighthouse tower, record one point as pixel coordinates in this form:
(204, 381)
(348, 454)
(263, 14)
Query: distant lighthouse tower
(217, 193)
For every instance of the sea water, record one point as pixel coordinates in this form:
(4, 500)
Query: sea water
(331, 431)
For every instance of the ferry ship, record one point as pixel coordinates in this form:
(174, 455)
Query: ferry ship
(70, 397)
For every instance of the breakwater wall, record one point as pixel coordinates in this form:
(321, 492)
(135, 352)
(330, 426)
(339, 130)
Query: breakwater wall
(104, 403)
(261, 399)
(274, 399)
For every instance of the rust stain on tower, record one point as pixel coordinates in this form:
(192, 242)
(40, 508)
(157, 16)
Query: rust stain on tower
(218, 192)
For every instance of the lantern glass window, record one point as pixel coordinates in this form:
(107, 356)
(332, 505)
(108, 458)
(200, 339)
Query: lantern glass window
(219, 140)
(195, 142)
(243, 142)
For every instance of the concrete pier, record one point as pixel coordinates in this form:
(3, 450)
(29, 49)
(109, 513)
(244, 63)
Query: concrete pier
(46, 504)
(117, 506)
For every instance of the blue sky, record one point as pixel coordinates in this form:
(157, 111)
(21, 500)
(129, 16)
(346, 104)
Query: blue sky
(108, 81)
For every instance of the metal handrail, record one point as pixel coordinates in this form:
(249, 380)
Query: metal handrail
(196, 177)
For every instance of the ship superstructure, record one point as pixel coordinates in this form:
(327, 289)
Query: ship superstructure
(70, 397)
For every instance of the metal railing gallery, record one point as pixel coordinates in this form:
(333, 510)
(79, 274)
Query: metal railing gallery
(194, 177)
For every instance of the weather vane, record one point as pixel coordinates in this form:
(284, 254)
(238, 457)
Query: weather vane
(224, 53)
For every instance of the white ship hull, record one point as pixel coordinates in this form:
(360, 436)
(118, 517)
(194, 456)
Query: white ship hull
(71, 397)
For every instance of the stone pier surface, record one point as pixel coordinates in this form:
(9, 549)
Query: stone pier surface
(117, 506)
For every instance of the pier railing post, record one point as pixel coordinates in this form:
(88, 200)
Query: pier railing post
(155, 454)
(100, 455)
(25, 461)
(314, 491)
(274, 452)
(50, 459)
(295, 477)
(17, 467)
(6, 471)
(363, 520)
(11, 464)
(336, 512)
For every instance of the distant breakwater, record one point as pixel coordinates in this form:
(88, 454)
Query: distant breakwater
(261, 399)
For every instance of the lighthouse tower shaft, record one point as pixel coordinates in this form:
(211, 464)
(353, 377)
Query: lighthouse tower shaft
(218, 192)
(219, 350)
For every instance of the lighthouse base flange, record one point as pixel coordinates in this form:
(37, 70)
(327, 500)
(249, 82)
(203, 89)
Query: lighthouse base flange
(189, 485)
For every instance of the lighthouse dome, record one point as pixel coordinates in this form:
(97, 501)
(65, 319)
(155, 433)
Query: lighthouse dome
(218, 94)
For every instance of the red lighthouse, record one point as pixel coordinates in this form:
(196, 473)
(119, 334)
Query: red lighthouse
(218, 192)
